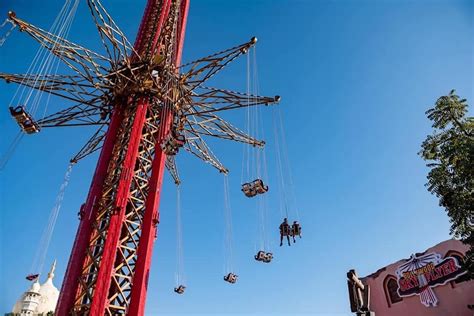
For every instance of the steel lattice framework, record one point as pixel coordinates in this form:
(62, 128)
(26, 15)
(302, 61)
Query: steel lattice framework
(136, 95)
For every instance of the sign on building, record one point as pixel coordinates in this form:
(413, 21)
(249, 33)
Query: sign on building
(420, 274)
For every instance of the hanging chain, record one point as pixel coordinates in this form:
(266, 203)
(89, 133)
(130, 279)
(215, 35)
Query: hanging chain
(4, 38)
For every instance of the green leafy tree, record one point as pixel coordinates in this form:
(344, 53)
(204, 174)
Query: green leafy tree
(449, 153)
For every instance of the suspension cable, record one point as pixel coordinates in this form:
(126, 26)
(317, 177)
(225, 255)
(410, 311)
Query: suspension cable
(180, 279)
(67, 29)
(228, 242)
(286, 164)
(5, 158)
(42, 250)
(254, 158)
(39, 56)
(280, 175)
(43, 62)
(246, 148)
(9, 31)
(63, 28)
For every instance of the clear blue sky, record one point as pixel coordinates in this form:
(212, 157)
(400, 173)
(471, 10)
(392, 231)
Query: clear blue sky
(356, 78)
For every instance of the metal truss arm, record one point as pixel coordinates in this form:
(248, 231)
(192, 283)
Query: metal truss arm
(212, 125)
(198, 147)
(211, 100)
(74, 88)
(83, 61)
(111, 34)
(172, 168)
(93, 113)
(92, 145)
(197, 72)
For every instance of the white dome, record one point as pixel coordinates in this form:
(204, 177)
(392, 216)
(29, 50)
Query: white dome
(35, 287)
(49, 297)
(45, 295)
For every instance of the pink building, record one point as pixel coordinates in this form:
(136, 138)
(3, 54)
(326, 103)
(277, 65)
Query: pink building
(431, 283)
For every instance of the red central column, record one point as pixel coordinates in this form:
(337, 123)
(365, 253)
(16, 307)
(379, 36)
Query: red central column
(152, 214)
(146, 42)
(87, 213)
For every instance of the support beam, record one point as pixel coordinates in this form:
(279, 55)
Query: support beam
(152, 214)
(78, 253)
(104, 275)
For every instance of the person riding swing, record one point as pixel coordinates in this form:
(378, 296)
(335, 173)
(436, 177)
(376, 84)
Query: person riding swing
(268, 257)
(260, 256)
(172, 143)
(253, 188)
(259, 186)
(285, 231)
(231, 278)
(180, 289)
(249, 190)
(295, 230)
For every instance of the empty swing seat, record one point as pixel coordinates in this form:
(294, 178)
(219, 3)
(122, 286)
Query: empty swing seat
(180, 289)
(231, 278)
(24, 119)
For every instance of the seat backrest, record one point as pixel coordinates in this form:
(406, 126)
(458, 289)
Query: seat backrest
(297, 229)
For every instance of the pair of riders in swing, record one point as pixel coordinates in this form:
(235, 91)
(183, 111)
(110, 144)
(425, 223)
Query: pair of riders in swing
(24, 119)
(289, 230)
(257, 186)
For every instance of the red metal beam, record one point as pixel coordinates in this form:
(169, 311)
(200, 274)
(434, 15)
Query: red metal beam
(145, 34)
(149, 225)
(104, 276)
(78, 253)
(152, 214)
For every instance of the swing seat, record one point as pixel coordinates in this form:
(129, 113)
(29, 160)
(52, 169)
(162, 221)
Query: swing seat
(249, 190)
(180, 289)
(172, 143)
(286, 231)
(268, 257)
(253, 188)
(262, 189)
(24, 119)
(259, 186)
(180, 140)
(169, 150)
(296, 229)
(231, 278)
(31, 277)
(260, 256)
(19, 113)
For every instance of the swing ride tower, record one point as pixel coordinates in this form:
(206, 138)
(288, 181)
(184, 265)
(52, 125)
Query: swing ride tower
(114, 241)
(139, 97)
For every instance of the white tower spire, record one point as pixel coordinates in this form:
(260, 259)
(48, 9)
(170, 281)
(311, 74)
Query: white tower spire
(51, 270)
